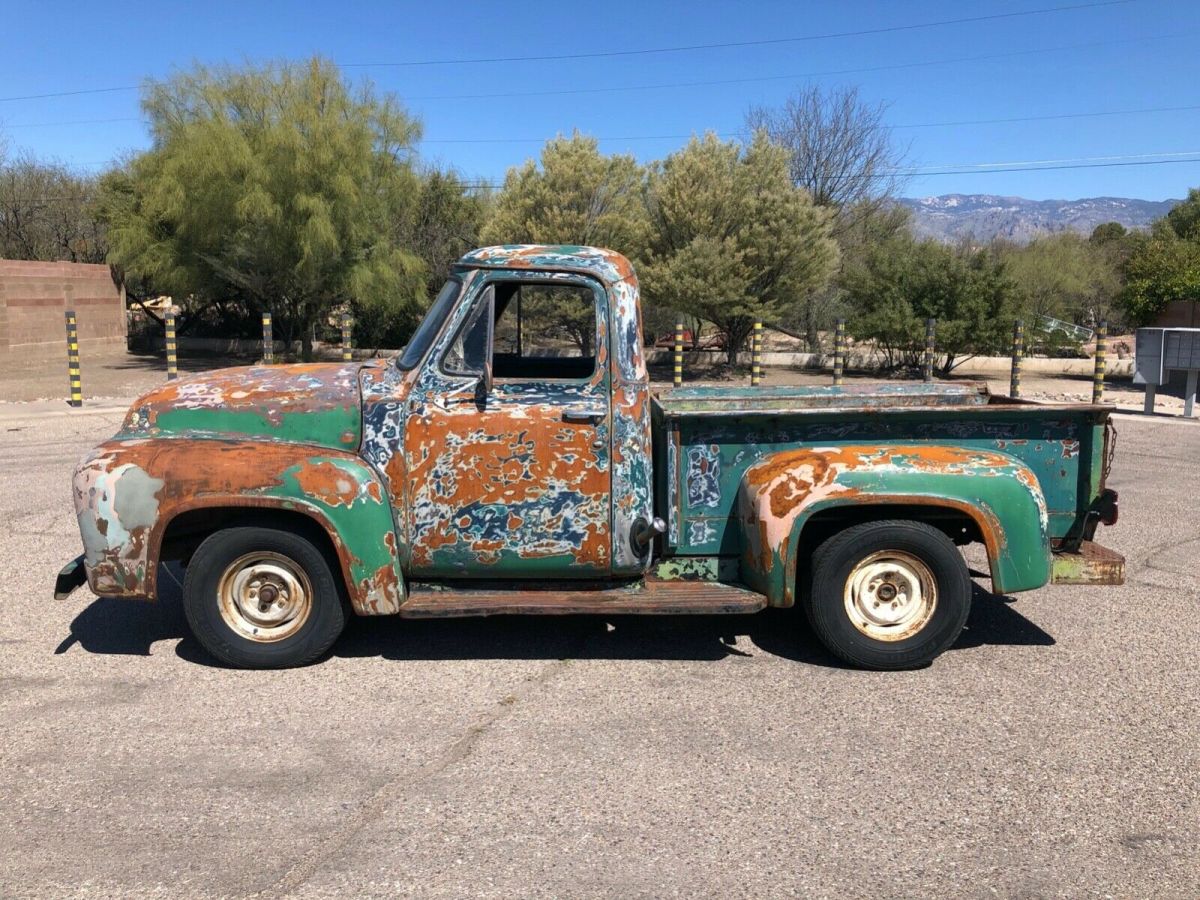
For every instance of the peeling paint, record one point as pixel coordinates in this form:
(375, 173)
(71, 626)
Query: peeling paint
(419, 473)
(996, 490)
(128, 491)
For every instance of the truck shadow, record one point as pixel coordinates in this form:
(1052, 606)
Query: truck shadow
(112, 626)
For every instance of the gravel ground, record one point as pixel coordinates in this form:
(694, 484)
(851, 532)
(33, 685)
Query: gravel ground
(1053, 752)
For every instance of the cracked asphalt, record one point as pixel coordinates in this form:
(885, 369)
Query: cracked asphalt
(1054, 752)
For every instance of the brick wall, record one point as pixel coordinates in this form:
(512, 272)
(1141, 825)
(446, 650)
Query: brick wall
(34, 295)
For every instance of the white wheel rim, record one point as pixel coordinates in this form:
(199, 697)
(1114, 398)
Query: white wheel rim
(890, 595)
(264, 597)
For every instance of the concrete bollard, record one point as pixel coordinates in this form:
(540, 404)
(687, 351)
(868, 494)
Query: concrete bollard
(1101, 362)
(677, 356)
(172, 349)
(347, 347)
(1018, 352)
(839, 351)
(756, 355)
(930, 340)
(75, 397)
(268, 355)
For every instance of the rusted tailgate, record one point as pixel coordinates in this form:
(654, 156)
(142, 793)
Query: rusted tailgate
(1093, 564)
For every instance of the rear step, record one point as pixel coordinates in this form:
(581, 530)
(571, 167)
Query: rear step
(649, 596)
(1092, 564)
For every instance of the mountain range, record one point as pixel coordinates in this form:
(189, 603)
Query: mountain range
(952, 217)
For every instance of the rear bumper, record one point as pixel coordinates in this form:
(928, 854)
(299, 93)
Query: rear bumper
(1092, 564)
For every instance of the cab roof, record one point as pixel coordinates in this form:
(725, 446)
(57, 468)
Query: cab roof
(607, 265)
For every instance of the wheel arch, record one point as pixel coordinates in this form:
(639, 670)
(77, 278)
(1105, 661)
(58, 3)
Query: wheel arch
(186, 529)
(177, 535)
(959, 520)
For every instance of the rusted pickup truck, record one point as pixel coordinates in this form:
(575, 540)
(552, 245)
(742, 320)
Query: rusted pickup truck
(514, 459)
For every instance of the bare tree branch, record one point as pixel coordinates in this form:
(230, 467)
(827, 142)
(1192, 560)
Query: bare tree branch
(841, 151)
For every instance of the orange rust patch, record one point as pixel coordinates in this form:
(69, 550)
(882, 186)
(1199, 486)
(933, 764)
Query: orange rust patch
(517, 455)
(381, 592)
(199, 473)
(327, 483)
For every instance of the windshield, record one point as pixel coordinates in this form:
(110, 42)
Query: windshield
(430, 325)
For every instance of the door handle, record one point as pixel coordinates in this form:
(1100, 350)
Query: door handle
(583, 416)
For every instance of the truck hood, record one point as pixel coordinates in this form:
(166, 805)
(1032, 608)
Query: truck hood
(314, 404)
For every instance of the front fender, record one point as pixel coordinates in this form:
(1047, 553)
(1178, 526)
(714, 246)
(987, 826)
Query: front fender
(783, 491)
(128, 491)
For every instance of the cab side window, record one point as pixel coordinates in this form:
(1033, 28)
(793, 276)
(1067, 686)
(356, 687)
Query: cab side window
(544, 331)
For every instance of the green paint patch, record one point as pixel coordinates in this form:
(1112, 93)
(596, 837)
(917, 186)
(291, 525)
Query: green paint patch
(338, 428)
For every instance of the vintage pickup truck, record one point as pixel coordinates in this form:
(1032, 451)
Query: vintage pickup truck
(496, 467)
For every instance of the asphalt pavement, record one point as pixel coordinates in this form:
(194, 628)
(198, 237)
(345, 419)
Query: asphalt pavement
(1055, 751)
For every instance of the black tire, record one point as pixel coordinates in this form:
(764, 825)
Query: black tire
(829, 611)
(315, 632)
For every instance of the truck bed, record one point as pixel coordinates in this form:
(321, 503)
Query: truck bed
(706, 437)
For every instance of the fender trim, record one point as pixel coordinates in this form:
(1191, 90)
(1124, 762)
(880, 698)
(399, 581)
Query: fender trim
(783, 491)
(128, 491)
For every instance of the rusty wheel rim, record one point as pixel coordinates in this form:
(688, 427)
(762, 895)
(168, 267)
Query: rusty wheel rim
(264, 596)
(890, 595)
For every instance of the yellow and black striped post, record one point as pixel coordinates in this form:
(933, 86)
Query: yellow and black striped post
(677, 356)
(839, 350)
(756, 355)
(930, 341)
(1101, 362)
(268, 341)
(347, 347)
(1018, 353)
(75, 398)
(172, 351)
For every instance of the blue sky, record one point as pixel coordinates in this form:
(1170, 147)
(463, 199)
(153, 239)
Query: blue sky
(1129, 56)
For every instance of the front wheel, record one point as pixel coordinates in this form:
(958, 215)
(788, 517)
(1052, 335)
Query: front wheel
(888, 595)
(262, 598)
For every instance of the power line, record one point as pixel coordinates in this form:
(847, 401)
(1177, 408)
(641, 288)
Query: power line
(1047, 118)
(723, 134)
(596, 54)
(611, 53)
(73, 122)
(744, 132)
(1042, 162)
(560, 92)
(996, 168)
(107, 90)
(1154, 162)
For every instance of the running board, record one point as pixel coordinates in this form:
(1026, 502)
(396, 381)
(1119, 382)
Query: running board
(647, 597)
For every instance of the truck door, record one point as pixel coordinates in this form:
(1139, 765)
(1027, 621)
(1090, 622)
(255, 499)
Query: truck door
(508, 445)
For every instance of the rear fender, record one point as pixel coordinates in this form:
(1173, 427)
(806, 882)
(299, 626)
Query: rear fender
(783, 491)
(127, 492)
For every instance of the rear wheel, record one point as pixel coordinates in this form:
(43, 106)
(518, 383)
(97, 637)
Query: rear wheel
(888, 595)
(262, 598)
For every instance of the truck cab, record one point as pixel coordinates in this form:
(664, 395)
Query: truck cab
(513, 459)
